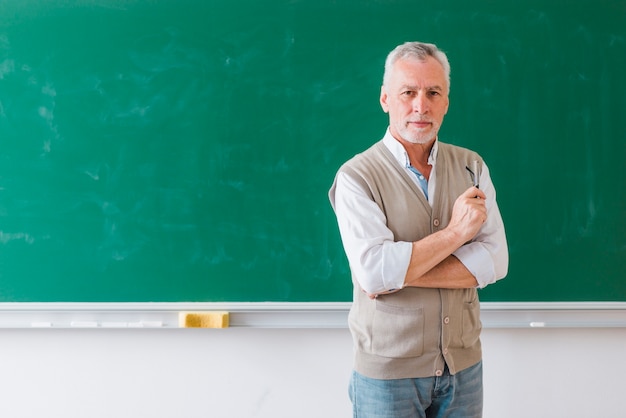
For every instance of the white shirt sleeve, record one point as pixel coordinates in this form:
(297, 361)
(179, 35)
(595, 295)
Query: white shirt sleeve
(376, 260)
(487, 256)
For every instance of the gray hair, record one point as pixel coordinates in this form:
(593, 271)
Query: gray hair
(420, 51)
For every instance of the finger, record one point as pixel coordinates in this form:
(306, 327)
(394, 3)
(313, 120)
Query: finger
(478, 193)
(474, 192)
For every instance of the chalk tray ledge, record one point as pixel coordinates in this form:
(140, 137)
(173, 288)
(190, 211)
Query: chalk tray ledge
(294, 315)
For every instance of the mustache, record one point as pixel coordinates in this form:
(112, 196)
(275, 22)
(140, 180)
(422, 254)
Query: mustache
(420, 119)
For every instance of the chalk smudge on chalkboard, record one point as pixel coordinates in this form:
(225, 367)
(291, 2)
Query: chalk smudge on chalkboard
(46, 112)
(6, 237)
(6, 67)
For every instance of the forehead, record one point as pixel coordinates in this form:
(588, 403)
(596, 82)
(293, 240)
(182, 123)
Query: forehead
(418, 73)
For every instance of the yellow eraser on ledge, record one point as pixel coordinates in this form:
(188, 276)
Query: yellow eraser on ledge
(203, 319)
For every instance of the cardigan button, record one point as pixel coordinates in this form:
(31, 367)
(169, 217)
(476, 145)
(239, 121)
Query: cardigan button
(446, 320)
(436, 222)
(439, 373)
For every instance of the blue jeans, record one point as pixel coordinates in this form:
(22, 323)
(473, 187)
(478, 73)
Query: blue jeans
(449, 396)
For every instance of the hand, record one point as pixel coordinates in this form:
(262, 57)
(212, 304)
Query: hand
(468, 213)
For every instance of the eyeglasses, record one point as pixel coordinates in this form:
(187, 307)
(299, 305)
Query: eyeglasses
(474, 173)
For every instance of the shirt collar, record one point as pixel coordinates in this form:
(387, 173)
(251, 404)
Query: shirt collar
(400, 153)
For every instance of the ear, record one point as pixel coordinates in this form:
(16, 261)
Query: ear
(383, 99)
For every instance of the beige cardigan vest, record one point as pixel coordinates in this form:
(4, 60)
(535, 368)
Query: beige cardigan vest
(415, 331)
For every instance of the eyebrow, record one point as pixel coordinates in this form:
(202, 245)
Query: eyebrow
(409, 87)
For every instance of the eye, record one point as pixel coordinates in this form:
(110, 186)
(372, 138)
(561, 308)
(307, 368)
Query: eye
(434, 93)
(408, 93)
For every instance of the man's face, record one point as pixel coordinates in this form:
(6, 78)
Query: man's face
(416, 98)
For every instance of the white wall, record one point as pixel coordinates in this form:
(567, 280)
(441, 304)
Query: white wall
(241, 373)
(554, 373)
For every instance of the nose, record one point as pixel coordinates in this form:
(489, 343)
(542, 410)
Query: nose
(420, 103)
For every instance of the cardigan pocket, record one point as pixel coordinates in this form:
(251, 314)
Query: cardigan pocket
(471, 324)
(397, 332)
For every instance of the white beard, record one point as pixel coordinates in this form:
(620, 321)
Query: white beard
(418, 137)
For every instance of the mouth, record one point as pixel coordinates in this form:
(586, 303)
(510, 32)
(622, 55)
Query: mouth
(420, 124)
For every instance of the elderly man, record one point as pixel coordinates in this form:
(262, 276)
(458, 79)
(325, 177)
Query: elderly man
(422, 231)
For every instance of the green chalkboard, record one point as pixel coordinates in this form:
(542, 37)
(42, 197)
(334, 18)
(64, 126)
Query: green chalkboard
(179, 150)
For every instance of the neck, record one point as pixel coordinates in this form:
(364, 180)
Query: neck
(418, 153)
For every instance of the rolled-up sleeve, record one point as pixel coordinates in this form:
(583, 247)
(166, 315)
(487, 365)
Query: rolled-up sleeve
(377, 262)
(487, 256)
